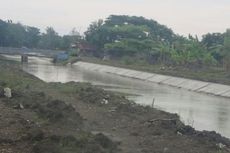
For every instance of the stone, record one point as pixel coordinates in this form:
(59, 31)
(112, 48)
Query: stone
(18, 106)
(178, 133)
(7, 92)
(21, 106)
(105, 101)
(221, 146)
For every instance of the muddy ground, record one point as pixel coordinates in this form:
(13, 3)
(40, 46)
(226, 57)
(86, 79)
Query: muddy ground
(78, 117)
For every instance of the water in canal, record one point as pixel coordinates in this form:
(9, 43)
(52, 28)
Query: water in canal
(203, 112)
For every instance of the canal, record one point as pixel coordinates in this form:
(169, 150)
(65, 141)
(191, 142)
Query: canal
(201, 111)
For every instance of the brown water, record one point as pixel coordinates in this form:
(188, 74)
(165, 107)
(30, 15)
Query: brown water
(203, 112)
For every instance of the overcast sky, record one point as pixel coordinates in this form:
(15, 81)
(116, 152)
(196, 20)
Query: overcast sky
(182, 16)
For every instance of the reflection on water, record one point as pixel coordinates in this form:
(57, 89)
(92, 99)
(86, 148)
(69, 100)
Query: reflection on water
(202, 111)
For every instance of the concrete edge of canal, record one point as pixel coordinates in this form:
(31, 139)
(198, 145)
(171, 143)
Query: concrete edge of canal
(188, 84)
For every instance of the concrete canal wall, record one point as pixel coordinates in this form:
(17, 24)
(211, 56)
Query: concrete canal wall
(188, 84)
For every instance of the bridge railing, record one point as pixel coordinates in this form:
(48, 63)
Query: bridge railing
(23, 50)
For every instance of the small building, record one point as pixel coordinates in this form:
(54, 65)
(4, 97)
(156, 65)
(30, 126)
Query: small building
(86, 48)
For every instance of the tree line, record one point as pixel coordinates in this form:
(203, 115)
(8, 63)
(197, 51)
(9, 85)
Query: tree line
(137, 38)
(18, 35)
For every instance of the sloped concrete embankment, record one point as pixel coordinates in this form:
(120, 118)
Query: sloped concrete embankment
(188, 84)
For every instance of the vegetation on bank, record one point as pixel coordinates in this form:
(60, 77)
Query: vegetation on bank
(136, 39)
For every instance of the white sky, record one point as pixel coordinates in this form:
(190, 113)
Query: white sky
(182, 16)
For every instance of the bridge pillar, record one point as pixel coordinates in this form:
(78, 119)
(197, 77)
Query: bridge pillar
(24, 58)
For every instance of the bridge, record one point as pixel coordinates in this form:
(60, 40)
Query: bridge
(25, 53)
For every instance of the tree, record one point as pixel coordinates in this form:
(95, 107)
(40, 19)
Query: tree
(129, 35)
(32, 37)
(157, 31)
(3, 33)
(226, 50)
(95, 32)
(50, 39)
(74, 32)
(212, 39)
(16, 35)
(190, 52)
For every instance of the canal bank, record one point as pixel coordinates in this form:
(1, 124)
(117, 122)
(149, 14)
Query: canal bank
(45, 122)
(188, 84)
(201, 111)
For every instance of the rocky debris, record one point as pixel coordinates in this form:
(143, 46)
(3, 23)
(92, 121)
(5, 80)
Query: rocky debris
(90, 94)
(221, 146)
(7, 92)
(188, 130)
(178, 133)
(212, 136)
(18, 106)
(104, 101)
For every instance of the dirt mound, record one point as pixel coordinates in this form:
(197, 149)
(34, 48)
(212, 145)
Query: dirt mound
(39, 136)
(54, 111)
(59, 111)
(90, 94)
